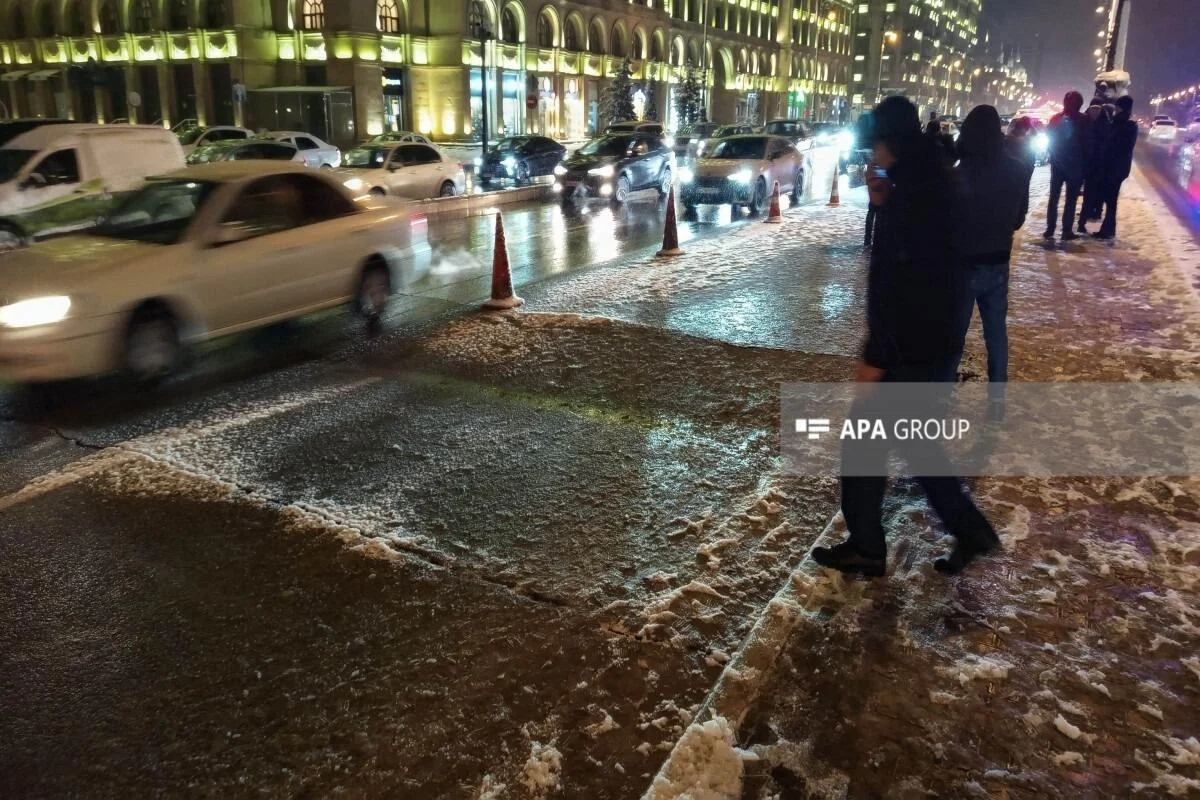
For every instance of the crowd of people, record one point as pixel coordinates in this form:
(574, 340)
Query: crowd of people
(941, 224)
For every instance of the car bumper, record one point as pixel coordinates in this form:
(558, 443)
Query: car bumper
(730, 192)
(57, 352)
(585, 185)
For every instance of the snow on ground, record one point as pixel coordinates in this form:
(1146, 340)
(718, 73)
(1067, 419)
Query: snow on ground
(705, 765)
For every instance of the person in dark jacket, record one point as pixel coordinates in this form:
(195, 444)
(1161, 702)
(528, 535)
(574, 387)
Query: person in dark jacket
(944, 141)
(1118, 161)
(1068, 160)
(1019, 144)
(995, 199)
(916, 286)
(1099, 128)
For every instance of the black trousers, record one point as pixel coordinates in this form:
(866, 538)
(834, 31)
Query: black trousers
(862, 495)
(1110, 191)
(870, 234)
(1073, 184)
(1092, 200)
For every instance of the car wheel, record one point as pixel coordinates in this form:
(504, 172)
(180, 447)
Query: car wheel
(377, 191)
(151, 348)
(522, 176)
(447, 190)
(621, 193)
(10, 238)
(760, 197)
(664, 187)
(326, 166)
(798, 185)
(374, 290)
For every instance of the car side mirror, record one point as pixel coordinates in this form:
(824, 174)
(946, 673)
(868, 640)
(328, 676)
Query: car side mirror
(230, 233)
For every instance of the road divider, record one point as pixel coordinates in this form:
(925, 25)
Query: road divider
(478, 205)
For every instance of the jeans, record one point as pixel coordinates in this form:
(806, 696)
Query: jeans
(1109, 194)
(989, 291)
(1057, 178)
(862, 495)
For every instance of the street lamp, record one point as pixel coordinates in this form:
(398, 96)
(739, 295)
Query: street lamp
(950, 81)
(889, 37)
(481, 29)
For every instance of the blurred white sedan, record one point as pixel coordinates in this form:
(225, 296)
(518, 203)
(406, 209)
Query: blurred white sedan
(410, 170)
(1163, 130)
(200, 253)
(313, 152)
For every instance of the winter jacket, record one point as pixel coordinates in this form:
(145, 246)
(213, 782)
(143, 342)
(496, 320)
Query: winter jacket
(1068, 131)
(1020, 148)
(995, 197)
(916, 283)
(1118, 156)
(1099, 131)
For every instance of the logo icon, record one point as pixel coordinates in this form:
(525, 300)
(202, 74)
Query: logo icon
(813, 427)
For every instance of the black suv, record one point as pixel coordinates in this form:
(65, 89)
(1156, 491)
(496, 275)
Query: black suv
(519, 158)
(615, 165)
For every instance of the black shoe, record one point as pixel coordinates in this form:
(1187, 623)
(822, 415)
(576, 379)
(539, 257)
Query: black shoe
(866, 244)
(1048, 235)
(1082, 230)
(1104, 236)
(967, 549)
(845, 557)
(1069, 237)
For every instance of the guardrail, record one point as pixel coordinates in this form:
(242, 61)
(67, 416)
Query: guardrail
(477, 205)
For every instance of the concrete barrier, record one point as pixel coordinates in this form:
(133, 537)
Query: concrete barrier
(476, 205)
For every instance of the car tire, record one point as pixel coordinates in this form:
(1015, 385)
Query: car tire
(798, 185)
(664, 186)
(326, 166)
(372, 294)
(151, 349)
(759, 201)
(622, 190)
(377, 191)
(522, 175)
(447, 190)
(11, 238)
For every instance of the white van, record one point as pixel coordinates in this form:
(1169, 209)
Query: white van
(61, 178)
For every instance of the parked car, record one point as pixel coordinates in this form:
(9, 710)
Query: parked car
(1163, 130)
(61, 178)
(615, 165)
(197, 254)
(742, 171)
(723, 132)
(9, 129)
(192, 138)
(794, 130)
(689, 140)
(415, 171)
(313, 151)
(635, 126)
(519, 159)
(245, 150)
(399, 136)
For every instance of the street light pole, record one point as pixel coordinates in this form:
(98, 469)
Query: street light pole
(482, 29)
(889, 37)
(950, 82)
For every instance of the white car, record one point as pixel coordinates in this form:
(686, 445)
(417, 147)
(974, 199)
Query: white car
(399, 136)
(413, 171)
(193, 138)
(743, 171)
(1163, 130)
(310, 150)
(196, 254)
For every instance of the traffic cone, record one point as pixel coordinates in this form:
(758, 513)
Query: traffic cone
(834, 198)
(670, 246)
(775, 215)
(503, 297)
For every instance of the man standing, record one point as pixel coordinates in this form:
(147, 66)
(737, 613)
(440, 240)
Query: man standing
(916, 290)
(1099, 129)
(1118, 161)
(1068, 159)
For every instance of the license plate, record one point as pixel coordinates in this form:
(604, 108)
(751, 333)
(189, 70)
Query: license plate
(707, 191)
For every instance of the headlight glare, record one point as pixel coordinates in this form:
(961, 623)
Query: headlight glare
(36, 311)
(354, 184)
(560, 170)
(686, 174)
(741, 176)
(604, 172)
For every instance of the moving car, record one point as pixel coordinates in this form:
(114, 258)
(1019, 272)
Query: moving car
(399, 136)
(635, 126)
(197, 254)
(723, 132)
(194, 137)
(690, 139)
(415, 171)
(742, 171)
(61, 178)
(615, 166)
(1163, 130)
(313, 151)
(10, 129)
(520, 158)
(794, 130)
(245, 150)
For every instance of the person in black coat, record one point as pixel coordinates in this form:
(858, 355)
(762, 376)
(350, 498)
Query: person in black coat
(1118, 161)
(1099, 128)
(1068, 161)
(916, 287)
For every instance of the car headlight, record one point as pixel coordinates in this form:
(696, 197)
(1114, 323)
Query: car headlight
(560, 170)
(603, 172)
(478, 161)
(686, 174)
(741, 176)
(37, 311)
(1041, 143)
(509, 163)
(669, 140)
(846, 141)
(354, 184)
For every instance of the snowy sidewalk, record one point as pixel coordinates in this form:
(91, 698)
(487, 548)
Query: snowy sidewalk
(1068, 666)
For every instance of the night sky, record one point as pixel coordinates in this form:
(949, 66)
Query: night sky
(1163, 52)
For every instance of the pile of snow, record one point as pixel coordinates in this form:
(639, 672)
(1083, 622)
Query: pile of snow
(541, 773)
(704, 765)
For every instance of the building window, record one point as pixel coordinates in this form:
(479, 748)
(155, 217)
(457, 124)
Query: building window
(545, 30)
(596, 38)
(216, 15)
(571, 36)
(19, 29)
(510, 26)
(77, 20)
(143, 16)
(313, 17)
(656, 51)
(387, 15)
(46, 25)
(110, 22)
(179, 19)
(618, 43)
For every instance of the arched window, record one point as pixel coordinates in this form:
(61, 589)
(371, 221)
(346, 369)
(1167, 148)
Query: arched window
(545, 30)
(312, 18)
(639, 45)
(46, 21)
(677, 8)
(179, 19)
(722, 17)
(387, 13)
(695, 10)
(143, 16)
(571, 36)
(656, 49)
(617, 43)
(19, 29)
(216, 14)
(596, 38)
(77, 20)
(510, 26)
(110, 20)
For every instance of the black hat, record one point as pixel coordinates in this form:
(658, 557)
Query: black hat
(896, 119)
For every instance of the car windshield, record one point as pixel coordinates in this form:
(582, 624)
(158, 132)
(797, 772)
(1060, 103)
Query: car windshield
(785, 128)
(727, 130)
(366, 157)
(607, 146)
(11, 162)
(511, 143)
(751, 148)
(209, 152)
(190, 136)
(157, 213)
(1167, 123)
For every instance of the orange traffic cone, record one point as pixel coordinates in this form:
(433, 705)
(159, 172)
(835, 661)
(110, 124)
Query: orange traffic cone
(775, 215)
(503, 297)
(670, 246)
(834, 198)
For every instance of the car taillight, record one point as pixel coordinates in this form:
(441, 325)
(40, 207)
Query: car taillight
(420, 225)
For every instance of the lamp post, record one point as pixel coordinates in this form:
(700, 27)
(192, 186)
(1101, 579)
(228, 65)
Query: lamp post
(481, 29)
(889, 37)
(950, 82)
